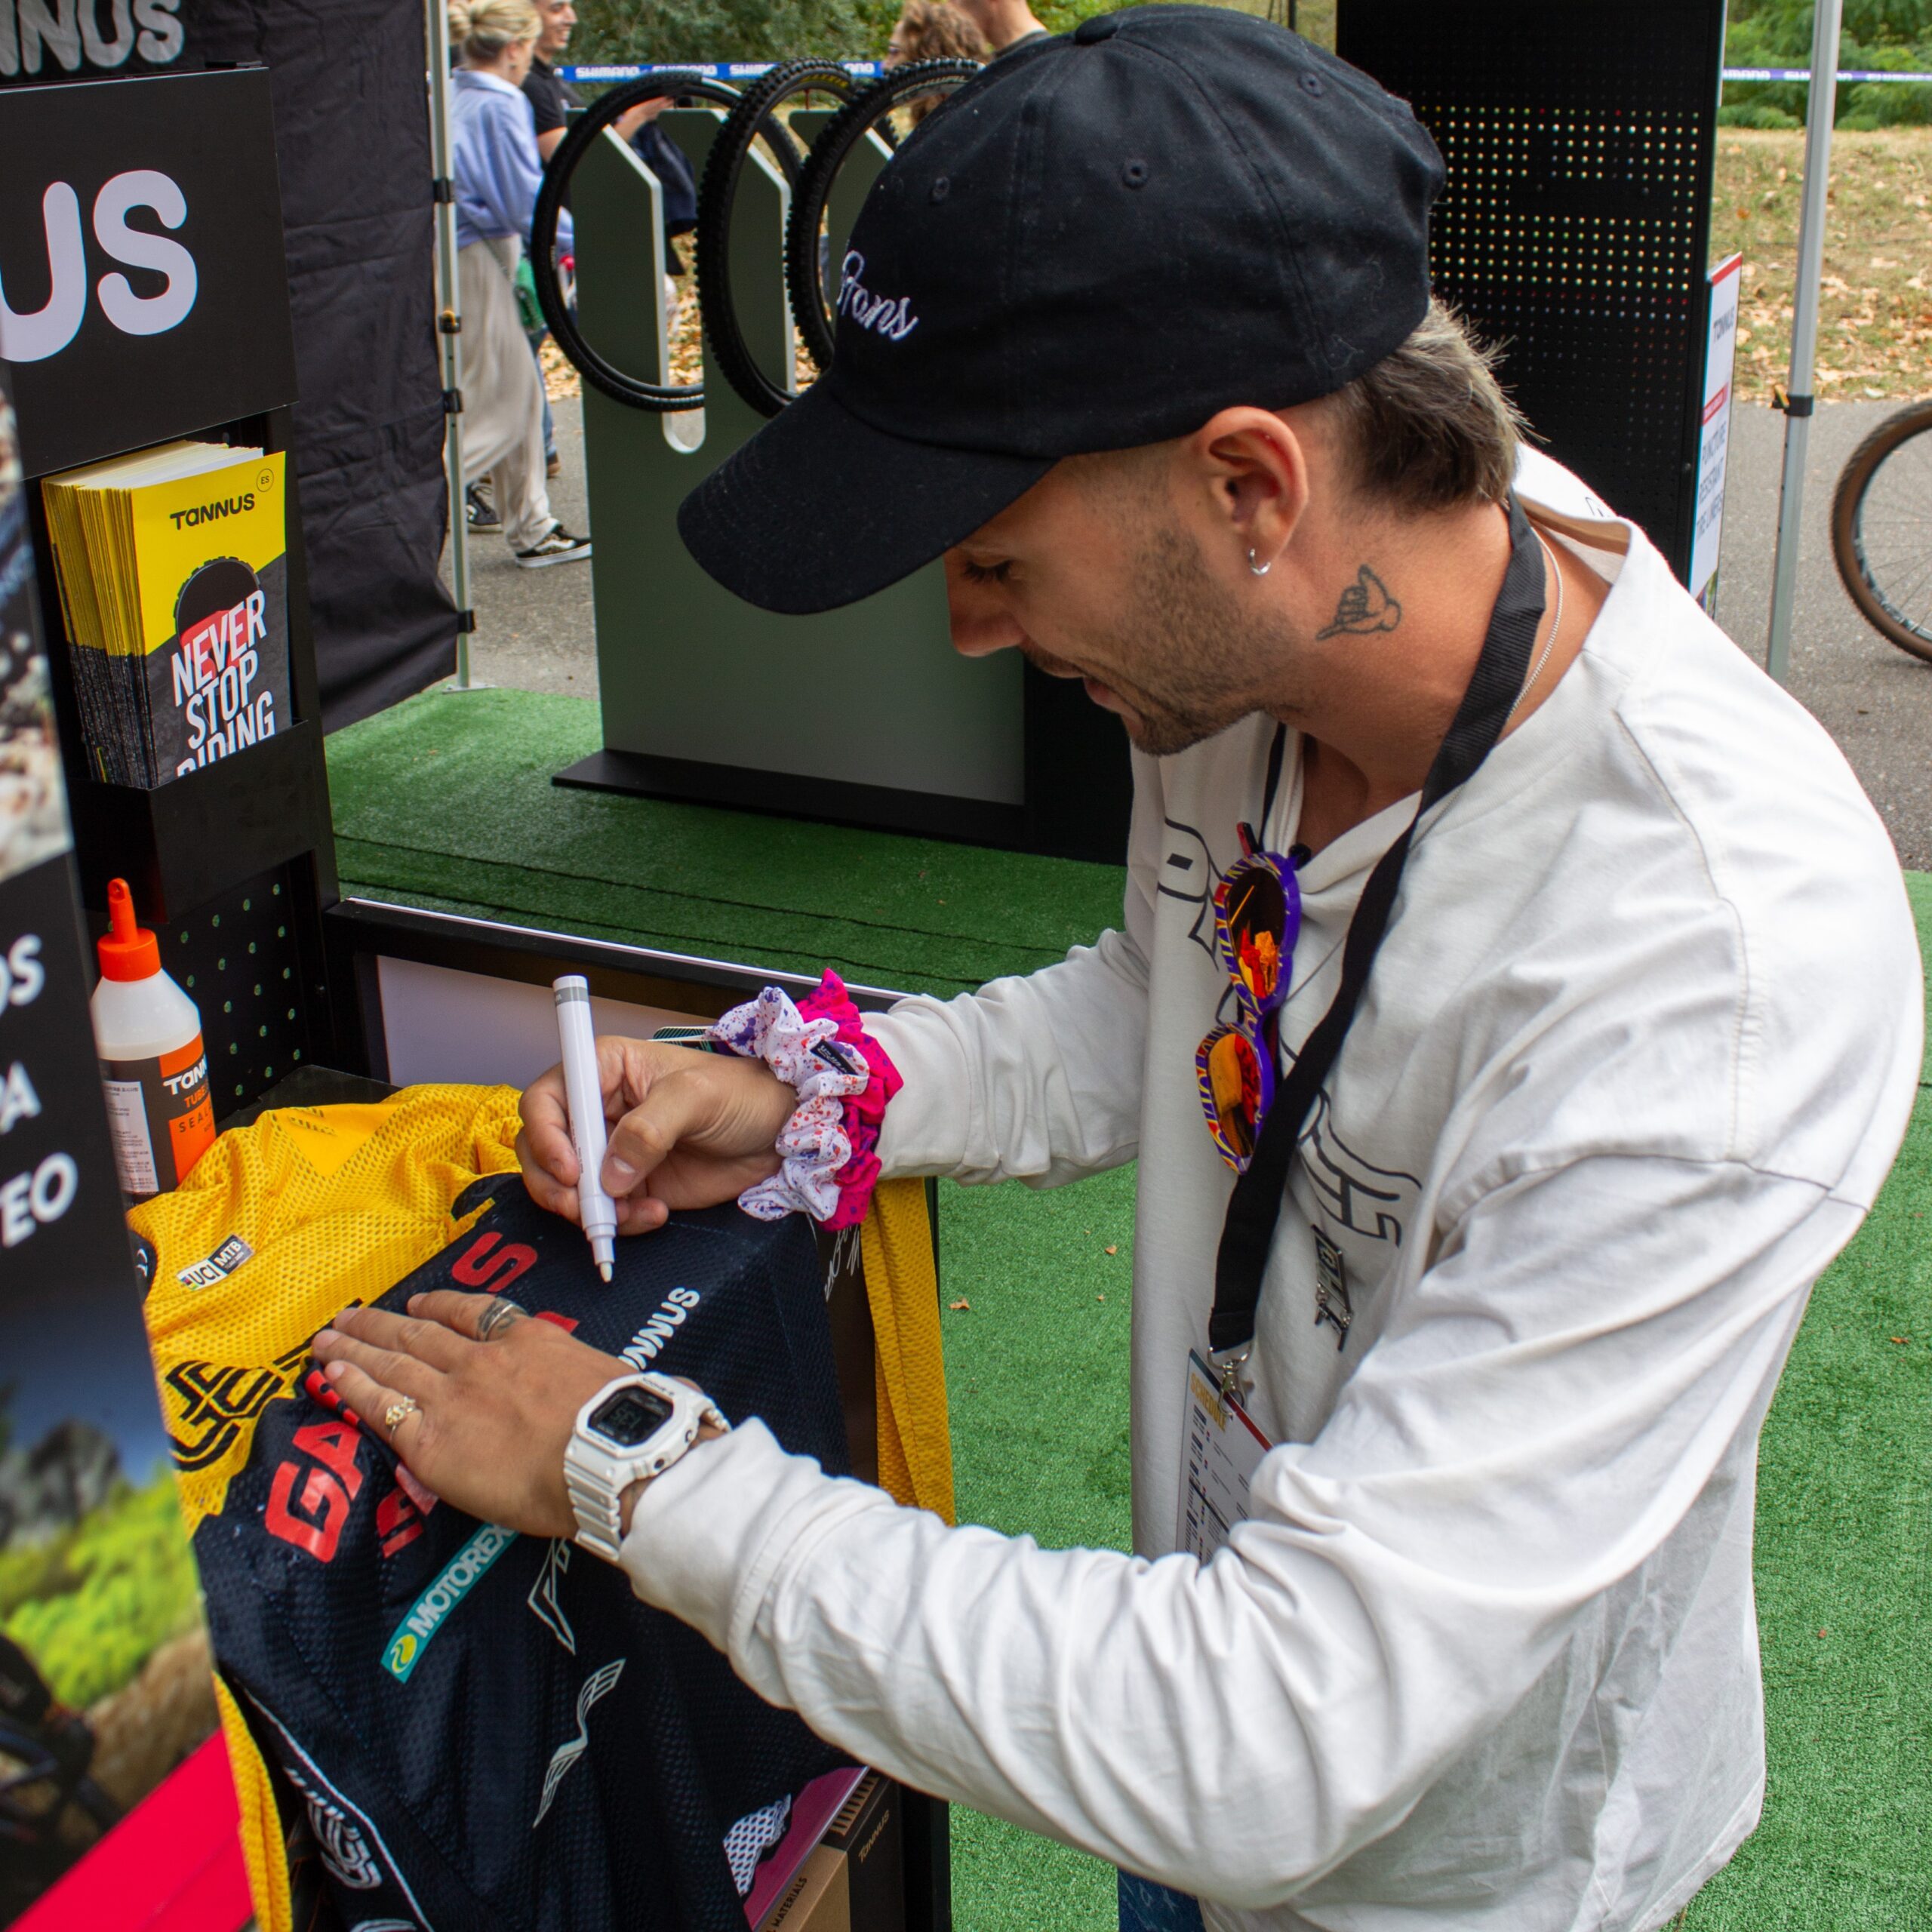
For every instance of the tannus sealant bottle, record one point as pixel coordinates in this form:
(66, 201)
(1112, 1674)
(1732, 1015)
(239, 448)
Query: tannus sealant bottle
(148, 1032)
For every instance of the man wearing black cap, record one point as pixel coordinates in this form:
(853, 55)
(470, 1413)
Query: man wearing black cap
(1495, 1211)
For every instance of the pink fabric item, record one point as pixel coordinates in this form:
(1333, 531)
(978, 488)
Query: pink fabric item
(864, 1113)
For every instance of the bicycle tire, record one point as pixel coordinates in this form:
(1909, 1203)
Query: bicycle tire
(1848, 545)
(601, 374)
(716, 195)
(830, 152)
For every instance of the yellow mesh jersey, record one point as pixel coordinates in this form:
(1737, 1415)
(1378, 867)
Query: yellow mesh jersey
(902, 1285)
(337, 1204)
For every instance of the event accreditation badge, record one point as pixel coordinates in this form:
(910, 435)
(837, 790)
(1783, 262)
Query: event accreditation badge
(1222, 1451)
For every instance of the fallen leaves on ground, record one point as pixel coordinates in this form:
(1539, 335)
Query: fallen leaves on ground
(1874, 324)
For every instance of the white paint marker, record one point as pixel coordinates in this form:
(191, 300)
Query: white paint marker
(584, 1091)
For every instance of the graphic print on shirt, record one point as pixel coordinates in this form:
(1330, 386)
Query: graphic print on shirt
(426, 1615)
(1189, 873)
(542, 1598)
(219, 1400)
(598, 1684)
(352, 1848)
(1376, 1203)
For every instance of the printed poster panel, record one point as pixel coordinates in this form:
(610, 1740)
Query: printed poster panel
(1714, 444)
(105, 1683)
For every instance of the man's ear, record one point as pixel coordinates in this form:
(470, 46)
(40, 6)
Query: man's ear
(1251, 470)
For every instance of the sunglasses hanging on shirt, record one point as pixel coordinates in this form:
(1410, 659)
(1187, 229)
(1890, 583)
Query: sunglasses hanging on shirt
(1248, 1234)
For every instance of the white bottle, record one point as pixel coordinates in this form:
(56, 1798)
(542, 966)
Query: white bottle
(154, 1068)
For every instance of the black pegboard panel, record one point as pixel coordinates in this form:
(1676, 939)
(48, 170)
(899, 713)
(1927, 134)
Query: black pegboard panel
(1574, 230)
(243, 958)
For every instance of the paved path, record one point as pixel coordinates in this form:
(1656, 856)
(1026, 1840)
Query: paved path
(537, 632)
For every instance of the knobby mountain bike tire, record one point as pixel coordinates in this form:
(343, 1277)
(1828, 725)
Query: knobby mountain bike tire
(803, 281)
(1881, 529)
(718, 191)
(596, 370)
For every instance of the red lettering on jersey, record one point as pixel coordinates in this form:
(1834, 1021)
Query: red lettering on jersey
(335, 1444)
(320, 1390)
(476, 1267)
(567, 1323)
(322, 1496)
(398, 1525)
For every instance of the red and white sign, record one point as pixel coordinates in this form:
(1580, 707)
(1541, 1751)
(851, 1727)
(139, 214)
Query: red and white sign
(1714, 445)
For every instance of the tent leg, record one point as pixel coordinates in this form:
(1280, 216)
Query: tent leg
(1821, 105)
(449, 333)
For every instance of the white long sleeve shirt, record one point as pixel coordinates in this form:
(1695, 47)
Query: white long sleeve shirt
(1633, 1063)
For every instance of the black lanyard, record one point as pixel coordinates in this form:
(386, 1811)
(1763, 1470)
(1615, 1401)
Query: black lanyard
(1495, 684)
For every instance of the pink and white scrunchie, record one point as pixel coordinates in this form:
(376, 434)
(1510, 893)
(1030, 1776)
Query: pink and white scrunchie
(843, 1077)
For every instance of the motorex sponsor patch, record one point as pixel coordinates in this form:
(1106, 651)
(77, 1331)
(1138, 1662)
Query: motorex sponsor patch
(425, 1616)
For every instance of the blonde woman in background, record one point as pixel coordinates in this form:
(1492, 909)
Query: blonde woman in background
(498, 172)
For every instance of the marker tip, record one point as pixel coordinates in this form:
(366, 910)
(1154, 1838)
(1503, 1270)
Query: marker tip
(603, 1268)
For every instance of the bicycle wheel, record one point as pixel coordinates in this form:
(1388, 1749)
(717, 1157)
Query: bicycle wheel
(1881, 529)
(803, 280)
(718, 190)
(595, 370)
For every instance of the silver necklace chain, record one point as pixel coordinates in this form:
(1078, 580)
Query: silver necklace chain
(1549, 643)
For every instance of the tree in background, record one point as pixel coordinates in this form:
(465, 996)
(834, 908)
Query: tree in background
(1882, 35)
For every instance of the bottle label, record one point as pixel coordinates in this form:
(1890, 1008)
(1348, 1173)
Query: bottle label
(162, 1115)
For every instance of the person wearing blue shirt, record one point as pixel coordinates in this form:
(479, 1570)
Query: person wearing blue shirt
(497, 173)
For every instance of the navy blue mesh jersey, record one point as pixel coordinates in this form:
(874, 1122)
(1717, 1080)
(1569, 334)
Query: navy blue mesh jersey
(478, 1730)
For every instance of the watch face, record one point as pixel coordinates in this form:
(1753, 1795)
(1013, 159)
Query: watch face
(631, 1416)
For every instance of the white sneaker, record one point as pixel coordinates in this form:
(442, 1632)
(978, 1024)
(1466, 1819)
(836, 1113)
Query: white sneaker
(559, 547)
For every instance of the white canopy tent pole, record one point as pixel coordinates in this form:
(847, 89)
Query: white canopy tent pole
(1821, 105)
(449, 327)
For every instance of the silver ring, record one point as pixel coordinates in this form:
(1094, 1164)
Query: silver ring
(399, 1412)
(498, 1317)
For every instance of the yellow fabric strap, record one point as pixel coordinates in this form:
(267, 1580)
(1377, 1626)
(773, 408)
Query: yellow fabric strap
(902, 1285)
(263, 1849)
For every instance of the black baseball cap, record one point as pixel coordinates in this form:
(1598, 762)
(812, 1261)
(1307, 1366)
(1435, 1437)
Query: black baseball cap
(1098, 242)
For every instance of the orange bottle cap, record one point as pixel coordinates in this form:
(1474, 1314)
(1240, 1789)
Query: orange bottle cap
(128, 951)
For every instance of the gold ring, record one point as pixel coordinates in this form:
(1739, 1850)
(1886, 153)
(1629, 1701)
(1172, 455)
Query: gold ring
(399, 1412)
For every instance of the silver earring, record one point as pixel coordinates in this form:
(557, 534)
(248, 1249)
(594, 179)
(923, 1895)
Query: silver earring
(1259, 570)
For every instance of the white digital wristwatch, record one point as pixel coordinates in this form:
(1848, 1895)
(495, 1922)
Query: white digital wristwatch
(632, 1428)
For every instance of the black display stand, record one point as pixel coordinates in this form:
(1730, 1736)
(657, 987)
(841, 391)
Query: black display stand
(231, 865)
(1575, 230)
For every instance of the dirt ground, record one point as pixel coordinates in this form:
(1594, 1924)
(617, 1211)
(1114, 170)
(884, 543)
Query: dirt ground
(1874, 330)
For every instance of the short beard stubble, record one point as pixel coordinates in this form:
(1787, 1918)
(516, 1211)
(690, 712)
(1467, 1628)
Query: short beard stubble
(1201, 653)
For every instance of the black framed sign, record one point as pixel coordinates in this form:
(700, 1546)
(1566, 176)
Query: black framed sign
(143, 292)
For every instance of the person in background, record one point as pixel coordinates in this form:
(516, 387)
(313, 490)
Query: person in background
(497, 171)
(932, 30)
(1003, 24)
(552, 101)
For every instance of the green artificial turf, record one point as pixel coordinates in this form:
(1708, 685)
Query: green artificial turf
(446, 801)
